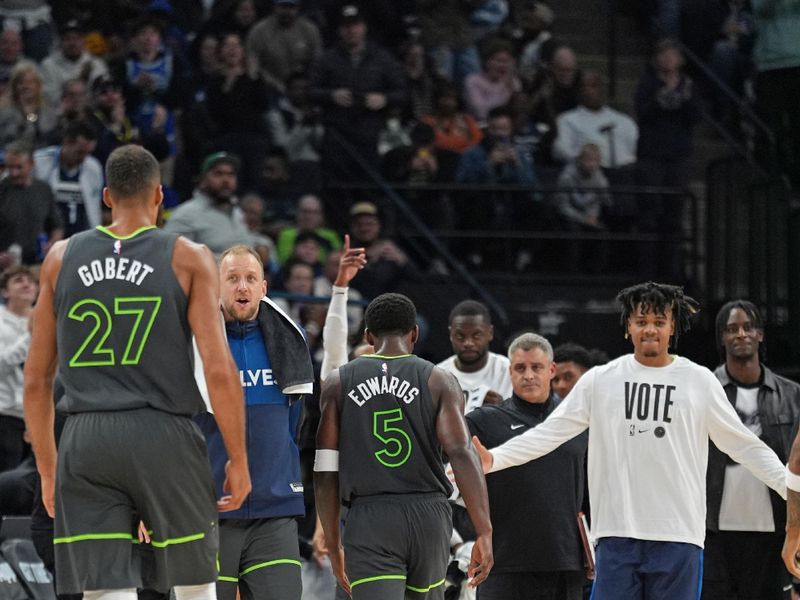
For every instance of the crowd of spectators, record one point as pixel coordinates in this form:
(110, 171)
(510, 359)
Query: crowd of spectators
(254, 106)
(301, 94)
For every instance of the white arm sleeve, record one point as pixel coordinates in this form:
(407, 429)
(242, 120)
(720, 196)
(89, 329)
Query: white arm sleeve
(732, 437)
(570, 418)
(334, 333)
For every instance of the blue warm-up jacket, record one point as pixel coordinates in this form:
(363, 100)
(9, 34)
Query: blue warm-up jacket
(271, 421)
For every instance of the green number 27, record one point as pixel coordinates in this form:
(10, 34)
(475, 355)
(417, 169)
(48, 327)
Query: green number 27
(397, 442)
(92, 352)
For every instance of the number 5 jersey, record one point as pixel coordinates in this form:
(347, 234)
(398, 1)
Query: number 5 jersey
(387, 439)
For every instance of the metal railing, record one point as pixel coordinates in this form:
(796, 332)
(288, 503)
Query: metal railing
(402, 207)
(766, 159)
(515, 218)
(749, 237)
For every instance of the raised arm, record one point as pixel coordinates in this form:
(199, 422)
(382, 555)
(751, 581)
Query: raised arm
(451, 429)
(40, 368)
(224, 388)
(334, 332)
(326, 475)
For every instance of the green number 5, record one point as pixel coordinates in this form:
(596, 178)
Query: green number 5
(91, 352)
(398, 446)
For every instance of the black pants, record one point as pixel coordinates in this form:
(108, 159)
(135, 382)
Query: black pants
(549, 585)
(13, 448)
(744, 565)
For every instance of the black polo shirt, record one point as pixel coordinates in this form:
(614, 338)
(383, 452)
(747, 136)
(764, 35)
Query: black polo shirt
(533, 506)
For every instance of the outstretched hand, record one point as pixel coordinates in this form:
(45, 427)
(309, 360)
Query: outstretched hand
(487, 460)
(352, 261)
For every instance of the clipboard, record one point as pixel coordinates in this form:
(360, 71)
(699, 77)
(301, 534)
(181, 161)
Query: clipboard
(588, 547)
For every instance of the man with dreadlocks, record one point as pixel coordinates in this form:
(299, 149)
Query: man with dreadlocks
(745, 521)
(651, 414)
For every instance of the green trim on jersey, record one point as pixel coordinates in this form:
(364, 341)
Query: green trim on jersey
(110, 233)
(270, 563)
(127, 536)
(425, 590)
(181, 540)
(376, 578)
(95, 536)
(228, 579)
(385, 357)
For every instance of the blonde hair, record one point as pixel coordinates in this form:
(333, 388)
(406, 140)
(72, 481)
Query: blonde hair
(241, 250)
(18, 72)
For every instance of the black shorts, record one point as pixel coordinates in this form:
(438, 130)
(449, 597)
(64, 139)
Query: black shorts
(261, 557)
(398, 545)
(116, 468)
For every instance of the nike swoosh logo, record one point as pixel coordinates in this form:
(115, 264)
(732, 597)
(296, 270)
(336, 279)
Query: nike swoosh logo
(643, 430)
(517, 426)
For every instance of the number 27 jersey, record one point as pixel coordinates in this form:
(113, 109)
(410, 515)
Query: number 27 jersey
(387, 439)
(124, 340)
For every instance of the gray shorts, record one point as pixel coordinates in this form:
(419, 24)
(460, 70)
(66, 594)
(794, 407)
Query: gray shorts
(115, 468)
(261, 557)
(398, 546)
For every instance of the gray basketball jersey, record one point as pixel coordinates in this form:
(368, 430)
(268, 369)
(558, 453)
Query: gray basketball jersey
(387, 439)
(123, 337)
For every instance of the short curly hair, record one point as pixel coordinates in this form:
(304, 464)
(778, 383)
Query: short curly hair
(390, 314)
(658, 298)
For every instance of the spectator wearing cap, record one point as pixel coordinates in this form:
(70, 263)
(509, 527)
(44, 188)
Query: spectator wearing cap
(281, 44)
(212, 216)
(387, 265)
(75, 176)
(237, 104)
(354, 82)
(109, 117)
(310, 216)
(69, 61)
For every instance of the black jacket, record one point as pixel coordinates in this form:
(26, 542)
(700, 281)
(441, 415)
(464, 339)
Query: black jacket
(779, 412)
(533, 506)
(376, 72)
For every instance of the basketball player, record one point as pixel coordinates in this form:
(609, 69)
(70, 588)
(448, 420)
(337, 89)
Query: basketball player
(386, 418)
(651, 414)
(116, 312)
